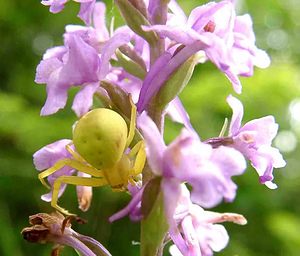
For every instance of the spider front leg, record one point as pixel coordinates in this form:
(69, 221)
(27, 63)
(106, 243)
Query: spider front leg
(139, 151)
(132, 124)
(75, 164)
(74, 180)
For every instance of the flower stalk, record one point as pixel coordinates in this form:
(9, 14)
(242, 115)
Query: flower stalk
(137, 73)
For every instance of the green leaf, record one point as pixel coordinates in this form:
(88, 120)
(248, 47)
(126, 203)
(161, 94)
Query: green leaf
(176, 83)
(135, 19)
(130, 66)
(130, 52)
(119, 98)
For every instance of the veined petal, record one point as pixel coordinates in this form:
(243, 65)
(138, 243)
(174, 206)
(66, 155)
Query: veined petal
(212, 181)
(83, 100)
(57, 95)
(82, 64)
(265, 128)
(210, 187)
(109, 49)
(184, 156)
(46, 68)
(229, 160)
(55, 52)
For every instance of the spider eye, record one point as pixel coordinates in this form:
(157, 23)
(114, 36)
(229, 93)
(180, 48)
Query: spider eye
(100, 137)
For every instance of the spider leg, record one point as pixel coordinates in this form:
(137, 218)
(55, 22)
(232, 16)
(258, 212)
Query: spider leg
(73, 180)
(132, 124)
(82, 167)
(74, 154)
(139, 163)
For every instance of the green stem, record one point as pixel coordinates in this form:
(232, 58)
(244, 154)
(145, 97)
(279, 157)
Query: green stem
(153, 230)
(154, 225)
(156, 114)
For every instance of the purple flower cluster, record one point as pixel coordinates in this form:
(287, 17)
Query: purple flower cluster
(151, 59)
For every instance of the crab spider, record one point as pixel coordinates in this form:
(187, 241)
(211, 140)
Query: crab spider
(101, 140)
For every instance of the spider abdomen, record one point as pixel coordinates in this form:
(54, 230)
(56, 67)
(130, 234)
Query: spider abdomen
(100, 137)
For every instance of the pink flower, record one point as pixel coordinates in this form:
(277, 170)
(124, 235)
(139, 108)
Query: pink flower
(254, 140)
(229, 39)
(76, 63)
(187, 159)
(194, 231)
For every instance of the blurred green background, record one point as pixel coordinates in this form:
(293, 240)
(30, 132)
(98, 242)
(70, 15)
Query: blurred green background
(27, 29)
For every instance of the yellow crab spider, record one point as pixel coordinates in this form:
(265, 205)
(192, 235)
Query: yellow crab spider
(101, 139)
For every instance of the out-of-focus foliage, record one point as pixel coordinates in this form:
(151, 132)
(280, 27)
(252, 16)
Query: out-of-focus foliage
(27, 29)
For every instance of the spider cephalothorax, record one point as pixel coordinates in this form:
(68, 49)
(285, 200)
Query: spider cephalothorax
(101, 140)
